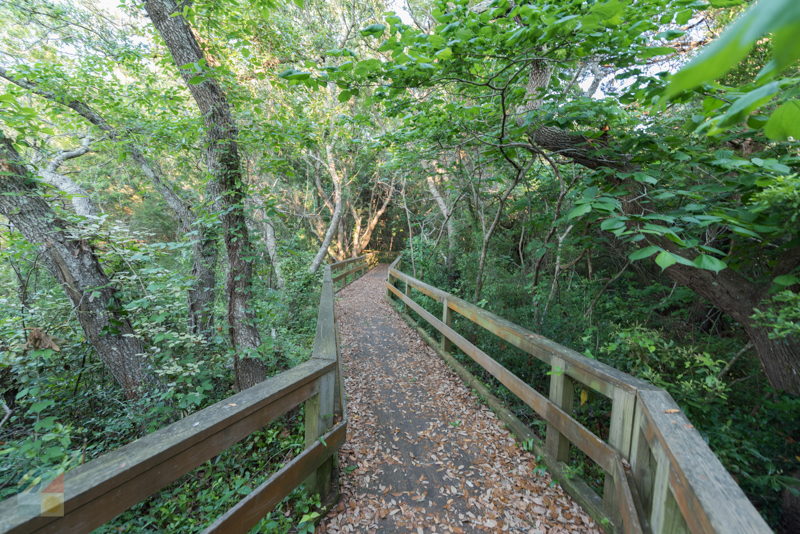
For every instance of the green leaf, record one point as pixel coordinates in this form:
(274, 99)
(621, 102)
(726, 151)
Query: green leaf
(293, 74)
(665, 259)
(786, 280)
(642, 253)
(613, 223)
(577, 211)
(373, 30)
(750, 101)
(344, 96)
(779, 17)
(196, 80)
(38, 406)
(710, 263)
(784, 122)
(647, 53)
(445, 53)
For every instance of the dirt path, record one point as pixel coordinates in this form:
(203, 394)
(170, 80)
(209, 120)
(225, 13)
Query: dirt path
(423, 455)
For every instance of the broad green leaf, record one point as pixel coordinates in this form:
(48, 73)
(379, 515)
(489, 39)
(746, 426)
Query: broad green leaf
(750, 101)
(710, 263)
(784, 122)
(613, 223)
(373, 30)
(786, 280)
(642, 253)
(444, 53)
(779, 17)
(665, 259)
(577, 211)
(344, 96)
(647, 53)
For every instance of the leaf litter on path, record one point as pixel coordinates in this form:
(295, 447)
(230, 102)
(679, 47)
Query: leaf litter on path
(422, 453)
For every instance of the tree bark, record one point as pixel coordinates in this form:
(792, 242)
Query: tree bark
(362, 239)
(73, 263)
(222, 156)
(449, 224)
(81, 202)
(727, 290)
(204, 247)
(337, 210)
(738, 297)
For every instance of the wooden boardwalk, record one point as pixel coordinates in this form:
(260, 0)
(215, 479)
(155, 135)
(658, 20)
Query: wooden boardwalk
(423, 454)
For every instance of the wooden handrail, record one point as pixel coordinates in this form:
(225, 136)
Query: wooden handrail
(101, 489)
(661, 477)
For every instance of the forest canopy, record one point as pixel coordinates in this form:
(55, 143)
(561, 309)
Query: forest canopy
(620, 177)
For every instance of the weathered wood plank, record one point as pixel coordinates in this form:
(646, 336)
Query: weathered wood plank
(619, 436)
(357, 268)
(447, 318)
(595, 448)
(341, 264)
(325, 338)
(263, 499)
(625, 500)
(318, 420)
(562, 394)
(103, 488)
(706, 494)
(596, 375)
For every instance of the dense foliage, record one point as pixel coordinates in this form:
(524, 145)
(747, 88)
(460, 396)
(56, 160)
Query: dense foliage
(550, 161)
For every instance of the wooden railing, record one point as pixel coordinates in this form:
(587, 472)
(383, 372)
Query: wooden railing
(98, 491)
(660, 476)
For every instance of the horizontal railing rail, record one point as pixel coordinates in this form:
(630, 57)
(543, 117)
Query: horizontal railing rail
(661, 476)
(101, 489)
(353, 267)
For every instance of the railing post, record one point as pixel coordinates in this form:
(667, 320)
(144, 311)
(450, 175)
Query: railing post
(319, 411)
(320, 408)
(561, 393)
(447, 318)
(619, 437)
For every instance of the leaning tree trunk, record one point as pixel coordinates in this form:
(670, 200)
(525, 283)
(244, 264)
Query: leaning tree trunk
(448, 222)
(727, 290)
(337, 211)
(73, 263)
(202, 294)
(739, 298)
(224, 164)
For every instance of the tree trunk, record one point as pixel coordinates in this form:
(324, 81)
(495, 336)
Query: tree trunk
(272, 250)
(361, 239)
(223, 162)
(73, 263)
(727, 290)
(337, 211)
(738, 297)
(78, 197)
(449, 224)
(204, 249)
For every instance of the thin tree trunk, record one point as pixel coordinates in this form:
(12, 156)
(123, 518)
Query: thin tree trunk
(448, 221)
(272, 250)
(337, 210)
(224, 164)
(202, 294)
(73, 263)
(490, 232)
(362, 239)
(78, 197)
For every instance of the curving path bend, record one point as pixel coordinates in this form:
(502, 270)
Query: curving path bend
(423, 454)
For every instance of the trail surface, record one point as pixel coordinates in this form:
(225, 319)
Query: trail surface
(423, 454)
